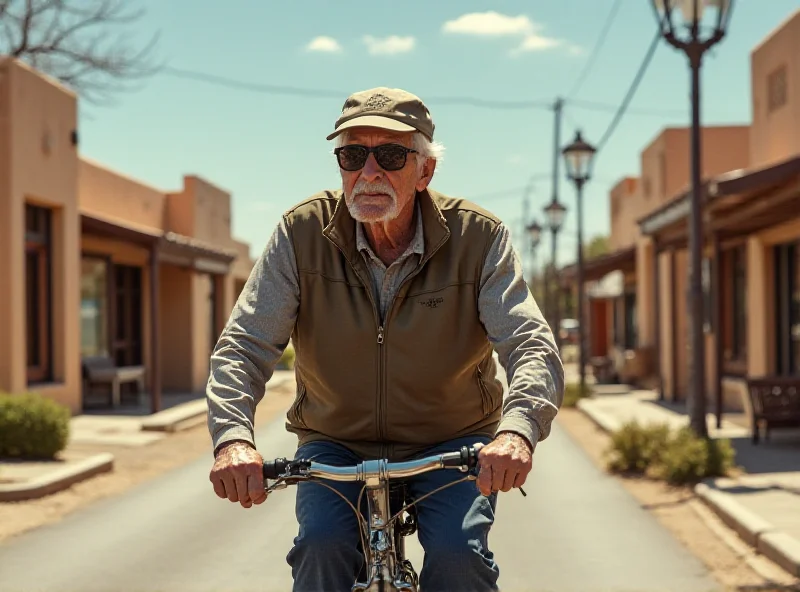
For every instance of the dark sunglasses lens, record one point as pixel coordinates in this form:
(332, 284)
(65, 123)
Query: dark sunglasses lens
(391, 157)
(352, 158)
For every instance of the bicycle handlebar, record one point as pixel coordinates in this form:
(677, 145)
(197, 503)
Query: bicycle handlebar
(464, 460)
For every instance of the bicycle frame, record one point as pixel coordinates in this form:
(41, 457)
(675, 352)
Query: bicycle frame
(387, 567)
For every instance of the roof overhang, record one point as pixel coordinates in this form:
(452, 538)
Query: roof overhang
(623, 260)
(170, 247)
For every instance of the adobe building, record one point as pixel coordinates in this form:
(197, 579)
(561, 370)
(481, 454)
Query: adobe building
(94, 264)
(637, 307)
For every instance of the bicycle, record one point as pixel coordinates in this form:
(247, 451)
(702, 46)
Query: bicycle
(387, 567)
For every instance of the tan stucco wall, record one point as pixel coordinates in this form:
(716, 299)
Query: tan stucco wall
(776, 135)
(113, 195)
(41, 166)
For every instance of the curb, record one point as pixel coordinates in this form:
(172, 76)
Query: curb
(777, 546)
(193, 413)
(761, 535)
(58, 480)
(169, 419)
(600, 419)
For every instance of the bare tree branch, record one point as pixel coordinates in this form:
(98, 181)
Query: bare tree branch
(82, 43)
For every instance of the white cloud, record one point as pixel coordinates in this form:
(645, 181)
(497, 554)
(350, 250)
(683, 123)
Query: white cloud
(494, 24)
(489, 24)
(389, 45)
(324, 44)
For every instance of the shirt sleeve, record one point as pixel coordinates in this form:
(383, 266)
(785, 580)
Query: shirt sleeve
(523, 341)
(254, 338)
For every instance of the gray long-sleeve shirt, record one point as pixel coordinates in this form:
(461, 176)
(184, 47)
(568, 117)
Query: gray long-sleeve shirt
(264, 316)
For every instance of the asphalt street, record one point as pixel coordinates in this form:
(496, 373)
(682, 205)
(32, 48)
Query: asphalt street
(578, 530)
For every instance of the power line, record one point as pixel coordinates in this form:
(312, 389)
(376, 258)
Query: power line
(596, 50)
(278, 89)
(631, 91)
(596, 106)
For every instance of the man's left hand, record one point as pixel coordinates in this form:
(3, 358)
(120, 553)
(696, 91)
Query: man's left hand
(505, 463)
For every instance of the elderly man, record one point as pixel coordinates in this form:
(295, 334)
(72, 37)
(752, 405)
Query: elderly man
(395, 297)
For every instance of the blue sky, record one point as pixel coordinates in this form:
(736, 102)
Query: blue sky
(270, 152)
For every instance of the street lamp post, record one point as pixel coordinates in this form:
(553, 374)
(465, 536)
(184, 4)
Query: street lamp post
(578, 156)
(555, 213)
(535, 237)
(689, 37)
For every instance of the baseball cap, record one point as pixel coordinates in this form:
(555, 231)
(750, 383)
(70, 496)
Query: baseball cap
(388, 108)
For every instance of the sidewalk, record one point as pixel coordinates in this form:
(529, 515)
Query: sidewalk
(92, 434)
(763, 504)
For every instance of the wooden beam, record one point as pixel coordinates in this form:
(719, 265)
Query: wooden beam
(716, 285)
(155, 341)
(657, 328)
(673, 272)
(774, 206)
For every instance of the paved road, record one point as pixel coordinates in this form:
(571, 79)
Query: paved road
(577, 530)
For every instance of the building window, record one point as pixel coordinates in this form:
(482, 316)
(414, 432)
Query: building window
(94, 307)
(38, 317)
(777, 89)
(787, 308)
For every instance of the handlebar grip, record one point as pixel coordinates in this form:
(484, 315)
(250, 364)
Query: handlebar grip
(274, 468)
(465, 457)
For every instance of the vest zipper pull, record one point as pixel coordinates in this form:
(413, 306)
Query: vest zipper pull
(380, 335)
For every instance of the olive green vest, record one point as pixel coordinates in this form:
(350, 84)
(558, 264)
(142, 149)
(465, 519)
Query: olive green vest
(427, 375)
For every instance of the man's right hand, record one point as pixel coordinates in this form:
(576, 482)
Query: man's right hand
(237, 474)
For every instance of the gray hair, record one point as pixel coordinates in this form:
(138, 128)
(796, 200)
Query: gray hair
(424, 147)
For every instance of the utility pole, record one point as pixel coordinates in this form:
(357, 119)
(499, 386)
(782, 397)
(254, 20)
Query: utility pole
(552, 303)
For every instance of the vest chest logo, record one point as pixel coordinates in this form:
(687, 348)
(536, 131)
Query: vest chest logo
(432, 302)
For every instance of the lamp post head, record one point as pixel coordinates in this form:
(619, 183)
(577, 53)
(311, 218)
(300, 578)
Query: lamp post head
(555, 212)
(534, 233)
(579, 156)
(693, 21)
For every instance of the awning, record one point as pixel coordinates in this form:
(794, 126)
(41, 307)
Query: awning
(727, 193)
(610, 286)
(175, 249)
(623, 260)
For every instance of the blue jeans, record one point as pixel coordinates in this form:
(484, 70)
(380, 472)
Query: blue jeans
(453, 529)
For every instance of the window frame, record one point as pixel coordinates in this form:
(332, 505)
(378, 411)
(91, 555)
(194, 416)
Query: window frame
(38, 242)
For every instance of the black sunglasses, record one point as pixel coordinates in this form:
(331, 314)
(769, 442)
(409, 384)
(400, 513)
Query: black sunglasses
(390, 157)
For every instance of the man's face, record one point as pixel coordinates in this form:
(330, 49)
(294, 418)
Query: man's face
(373, 194)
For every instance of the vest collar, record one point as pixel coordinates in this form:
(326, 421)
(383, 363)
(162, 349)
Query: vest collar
(341, 230)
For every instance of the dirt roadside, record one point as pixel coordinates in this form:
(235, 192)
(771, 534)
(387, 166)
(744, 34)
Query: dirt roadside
(683, 514)
(132, 466)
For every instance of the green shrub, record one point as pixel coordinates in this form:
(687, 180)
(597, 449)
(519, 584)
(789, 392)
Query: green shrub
(573, 393)
(32, 426)
(635, 447)
(690, 459)
(286, 361)
(675, 456)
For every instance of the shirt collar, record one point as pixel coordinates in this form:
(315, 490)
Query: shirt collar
(417, 245)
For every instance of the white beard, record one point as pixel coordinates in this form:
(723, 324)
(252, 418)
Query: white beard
(368, 210)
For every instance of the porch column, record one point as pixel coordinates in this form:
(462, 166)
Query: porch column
(155, 350)
(673, 317)
(657, 325)
(716, 300)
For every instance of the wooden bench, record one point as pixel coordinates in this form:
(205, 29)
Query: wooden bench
(101, 370)
(776, 403)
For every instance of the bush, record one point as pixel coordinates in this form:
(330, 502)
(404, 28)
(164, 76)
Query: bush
(675, 456)
(32, 426)
(286, 361)
(573, 393)
(689, 459)
(636, 447)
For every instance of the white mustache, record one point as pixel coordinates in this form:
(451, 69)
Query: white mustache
(363, 186)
